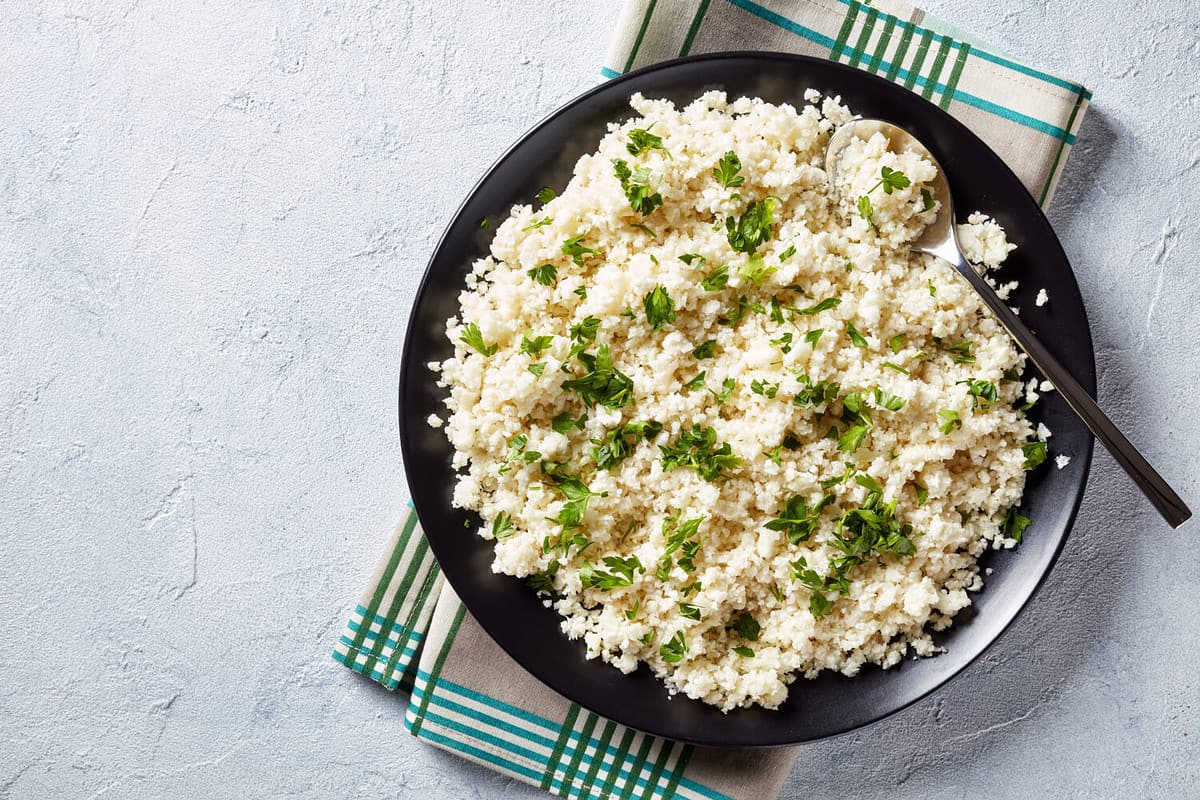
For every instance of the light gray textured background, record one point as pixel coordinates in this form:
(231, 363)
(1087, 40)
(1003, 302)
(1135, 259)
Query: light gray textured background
(214, 216)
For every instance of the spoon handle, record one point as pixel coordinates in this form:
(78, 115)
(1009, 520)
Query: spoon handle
(1160, 494)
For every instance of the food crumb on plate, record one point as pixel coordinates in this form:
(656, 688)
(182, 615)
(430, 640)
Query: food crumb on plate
(1061, 461)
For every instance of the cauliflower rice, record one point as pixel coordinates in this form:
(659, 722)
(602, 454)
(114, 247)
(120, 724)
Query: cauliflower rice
(724, 569)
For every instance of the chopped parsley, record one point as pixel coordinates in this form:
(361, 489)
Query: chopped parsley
(738, 312)
(744, 652)
(545, 274)
(813, 394)
(922, 493)
(768, 390)
(727, 387)
(895, 367)
(543, 582)
(951, 420)
(602, 383)
(545, 195)
(896, 343)
(753, 228)
(786, 254)
(696, 382)
(961, 352)
(932, 288)
(927, 202)
(890, 179)
(797, 520)
(982, 393)
(581, 291)
(813, 336)
(697, 449)
(856, 338)
(578, 252)
(755, 271)
(618, 443)
(673, 650)
(472, 337)
(660, 308)
(747, 627)
(636, 185)
(566, 421)
(689, 611)
(706, 350)
(823, 305)
(585, 330)
(726, 171)
(693, 258)
(1035, 454)
(534, 345)
(641, 140)
(537, 368)
(502, 526)
(538, 223)
(1015, 524)
(854, 413)
(620, 574)
(784, 342)
(889, 401)
(865, 211)
(715, 280)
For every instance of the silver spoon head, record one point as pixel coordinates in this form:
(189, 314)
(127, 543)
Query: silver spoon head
(940, 233)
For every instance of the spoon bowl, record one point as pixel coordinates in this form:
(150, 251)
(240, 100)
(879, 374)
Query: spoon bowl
(940, 239)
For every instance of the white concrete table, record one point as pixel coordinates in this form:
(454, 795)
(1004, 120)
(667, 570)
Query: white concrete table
(214, 216)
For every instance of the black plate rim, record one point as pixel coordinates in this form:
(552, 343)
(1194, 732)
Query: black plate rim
(563, 685)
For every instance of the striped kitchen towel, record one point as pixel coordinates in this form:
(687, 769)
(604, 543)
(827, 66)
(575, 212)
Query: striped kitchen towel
(1028, 116)
(411, 632)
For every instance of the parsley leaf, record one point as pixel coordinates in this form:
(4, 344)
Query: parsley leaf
(620, 574)
(768, 390)
(689, 611)
(697, 450)
(755, 271)
(472, 337)
(889, 401)
(744, 652)
(637, 188)
(577, 250)
(962, 352)
(813, 336)
(1035, 454)
(706, 350)
(824, 305)
(543, 582)
(534, 345)
(786, 254)
(922, 494)
(692, 258)
(564, 422)
(502, 526)
(538, 368)
(784, 342)
(585, 330)
(538, 223)
(727, 387)
(856, 338)
(545, 195)
(602, 383)
(726, 171)
(865, 211)
(660, 308)
(673, 650)
(747, 627)
(952, 420)
(716, 280)
(641, 140)
(982, 393)
(753, 228)
(797, 520)
(927, 202)
(696, 382)
(813, 394)
(545, 274)
(1015, 524)
(890, 180)
(896, 343)
(619, 442)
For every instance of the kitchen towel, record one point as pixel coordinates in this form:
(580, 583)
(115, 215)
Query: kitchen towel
(411, 633)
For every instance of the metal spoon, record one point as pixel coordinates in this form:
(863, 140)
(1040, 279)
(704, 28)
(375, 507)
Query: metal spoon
(940, 239)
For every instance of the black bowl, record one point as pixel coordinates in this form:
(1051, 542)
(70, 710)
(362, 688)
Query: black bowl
(832, 703)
